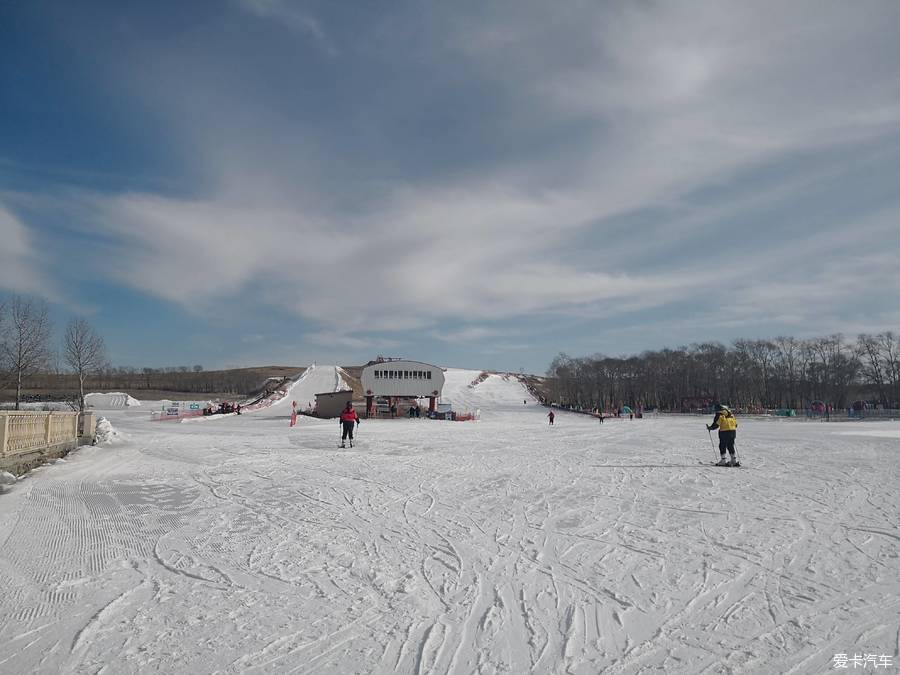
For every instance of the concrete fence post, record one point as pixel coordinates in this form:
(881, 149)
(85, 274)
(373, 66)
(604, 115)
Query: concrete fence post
(47, 426)
(87, 425)
(4, 433)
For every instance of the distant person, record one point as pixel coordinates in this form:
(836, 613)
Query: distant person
(525, 402)
(551, 416)
(347, 421)
(726, 423)
(600, 416)
(293, 413)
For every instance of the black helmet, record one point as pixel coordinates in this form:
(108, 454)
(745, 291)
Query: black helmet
(718, 406)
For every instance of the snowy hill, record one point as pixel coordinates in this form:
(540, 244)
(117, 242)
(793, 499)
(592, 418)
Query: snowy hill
(314, 380)
(466, 390)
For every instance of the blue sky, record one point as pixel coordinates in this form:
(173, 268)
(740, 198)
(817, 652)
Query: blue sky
(250, 182)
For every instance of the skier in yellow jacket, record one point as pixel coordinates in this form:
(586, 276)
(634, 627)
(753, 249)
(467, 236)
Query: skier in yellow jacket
(726, 423)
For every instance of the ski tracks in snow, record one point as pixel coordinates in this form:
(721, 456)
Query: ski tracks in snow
(497, 546)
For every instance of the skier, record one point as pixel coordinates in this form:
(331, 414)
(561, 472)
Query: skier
(347, 420)
(551, 416)
(293, 413)
(726, 423)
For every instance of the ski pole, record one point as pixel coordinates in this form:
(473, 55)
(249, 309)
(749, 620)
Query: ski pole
(712, 443)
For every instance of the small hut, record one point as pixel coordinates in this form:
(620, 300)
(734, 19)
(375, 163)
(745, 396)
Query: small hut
(331, 403)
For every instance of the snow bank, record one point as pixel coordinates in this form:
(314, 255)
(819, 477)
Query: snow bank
(6, 478)
(110, 401)
(107, 434)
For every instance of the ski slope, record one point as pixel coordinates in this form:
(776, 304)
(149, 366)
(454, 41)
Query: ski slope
(314, 380)
(498, 394)
(498, 546)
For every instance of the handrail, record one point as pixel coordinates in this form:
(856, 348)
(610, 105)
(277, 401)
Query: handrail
(27, 431)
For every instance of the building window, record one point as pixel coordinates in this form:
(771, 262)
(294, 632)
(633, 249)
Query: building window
(377, 374)
(428, 374)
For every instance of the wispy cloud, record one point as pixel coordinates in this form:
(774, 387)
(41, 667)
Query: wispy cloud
(20, 262)
(468, 334)
(466, 168)
(340, 339)
(294, 17)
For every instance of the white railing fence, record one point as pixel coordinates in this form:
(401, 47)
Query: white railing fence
(26, 432)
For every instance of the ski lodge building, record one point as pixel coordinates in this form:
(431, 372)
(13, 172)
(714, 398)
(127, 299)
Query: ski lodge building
(398, 378)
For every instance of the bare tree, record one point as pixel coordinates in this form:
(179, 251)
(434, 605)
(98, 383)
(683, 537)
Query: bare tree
(84, 352)
(788, 368)
(26, 339)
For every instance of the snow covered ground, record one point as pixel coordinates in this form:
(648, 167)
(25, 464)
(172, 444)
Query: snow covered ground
(503, 545)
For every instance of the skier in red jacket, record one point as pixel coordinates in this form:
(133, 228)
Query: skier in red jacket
(347, 420)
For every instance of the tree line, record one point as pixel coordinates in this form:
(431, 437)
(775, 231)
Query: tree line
(30, 360)
(784, 372)
(25, 346)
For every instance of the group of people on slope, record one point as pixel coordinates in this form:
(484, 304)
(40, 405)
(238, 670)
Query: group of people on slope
(225, 408)
(724, 421)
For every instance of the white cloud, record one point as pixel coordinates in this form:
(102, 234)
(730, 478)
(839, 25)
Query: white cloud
(338, 340)
(655, 102)
(294, 17)
(21, 269)
(468, 334)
